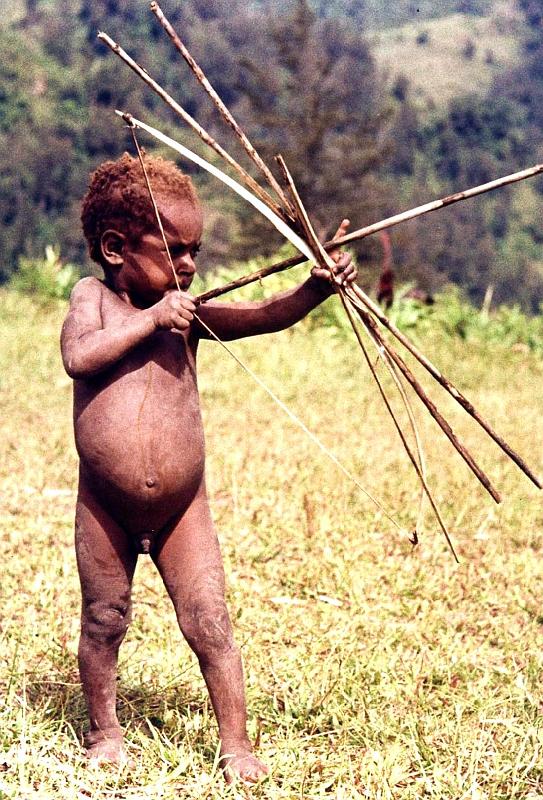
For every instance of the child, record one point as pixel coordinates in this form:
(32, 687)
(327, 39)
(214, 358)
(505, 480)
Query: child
(129, 342)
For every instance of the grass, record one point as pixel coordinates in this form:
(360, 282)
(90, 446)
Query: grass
(374, 669)
(438, 70)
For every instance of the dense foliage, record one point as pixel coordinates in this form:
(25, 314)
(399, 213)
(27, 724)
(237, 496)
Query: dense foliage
(495, 240)
(304, 82)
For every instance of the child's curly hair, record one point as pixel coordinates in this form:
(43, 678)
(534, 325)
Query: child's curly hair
(118, 197)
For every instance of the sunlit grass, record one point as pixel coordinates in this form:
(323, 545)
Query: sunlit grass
(374, 670)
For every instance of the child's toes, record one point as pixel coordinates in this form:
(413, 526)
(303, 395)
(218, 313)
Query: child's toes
(245, 768)
(109, 751)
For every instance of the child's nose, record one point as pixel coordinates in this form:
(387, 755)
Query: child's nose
(185, 263)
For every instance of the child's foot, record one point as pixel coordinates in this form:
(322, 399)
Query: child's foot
(104, 749)
(239, 764)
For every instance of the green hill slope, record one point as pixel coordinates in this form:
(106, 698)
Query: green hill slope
(446, 57)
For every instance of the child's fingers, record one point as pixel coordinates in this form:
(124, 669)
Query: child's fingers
(175, 310)
(322, 274)
(187, 300)
(182, 319)
(181, 324)
(177, 293)
(184, 313)
(342, 230)
(344, 262)
(182, 300)
(346, 271)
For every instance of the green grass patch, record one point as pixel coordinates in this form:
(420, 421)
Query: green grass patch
(374, 669)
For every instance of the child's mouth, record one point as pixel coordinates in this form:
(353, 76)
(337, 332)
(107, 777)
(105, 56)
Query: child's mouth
(185, 278)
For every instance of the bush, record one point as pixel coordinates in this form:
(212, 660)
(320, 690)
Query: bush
(468, 50)
(455, 316)
(47, 277)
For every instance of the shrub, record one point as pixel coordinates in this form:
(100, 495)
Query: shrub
(468, 50)
(46, 277)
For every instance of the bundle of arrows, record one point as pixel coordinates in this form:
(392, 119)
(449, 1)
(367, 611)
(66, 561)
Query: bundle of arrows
(280, 203)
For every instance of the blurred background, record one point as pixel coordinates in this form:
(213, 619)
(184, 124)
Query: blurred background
(376, 107)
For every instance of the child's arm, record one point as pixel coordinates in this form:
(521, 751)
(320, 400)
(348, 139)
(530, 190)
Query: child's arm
(237, 320)
(88, 348)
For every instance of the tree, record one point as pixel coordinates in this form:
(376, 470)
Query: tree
(313, 94)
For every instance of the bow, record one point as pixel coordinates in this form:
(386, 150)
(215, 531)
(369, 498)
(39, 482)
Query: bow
(132, 124)
(290, 218)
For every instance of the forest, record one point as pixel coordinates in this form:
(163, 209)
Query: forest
(305, 80)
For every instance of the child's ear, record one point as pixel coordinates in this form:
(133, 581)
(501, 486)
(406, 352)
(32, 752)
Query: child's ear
(112, 245)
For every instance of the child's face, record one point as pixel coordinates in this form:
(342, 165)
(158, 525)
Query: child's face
(146, 273)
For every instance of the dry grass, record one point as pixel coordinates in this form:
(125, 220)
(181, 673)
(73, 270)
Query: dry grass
(10, 11)
(374, 670)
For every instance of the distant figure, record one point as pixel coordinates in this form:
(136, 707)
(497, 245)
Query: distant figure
(385, 287)
(421, 295)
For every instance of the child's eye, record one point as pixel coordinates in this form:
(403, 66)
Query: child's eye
(195, 250)
(177, 250)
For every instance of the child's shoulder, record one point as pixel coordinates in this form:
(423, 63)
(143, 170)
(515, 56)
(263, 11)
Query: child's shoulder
(87, 289)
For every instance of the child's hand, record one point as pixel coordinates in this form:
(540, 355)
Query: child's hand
(175, 310)
(345, 271)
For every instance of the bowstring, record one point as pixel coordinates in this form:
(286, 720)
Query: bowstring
(314, 438)
(155, 207)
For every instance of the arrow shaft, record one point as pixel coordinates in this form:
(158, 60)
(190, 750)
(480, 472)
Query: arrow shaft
(281, 226)
(362, 233)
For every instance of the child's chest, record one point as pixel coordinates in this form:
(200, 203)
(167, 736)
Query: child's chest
(172, 352)
(146, 402)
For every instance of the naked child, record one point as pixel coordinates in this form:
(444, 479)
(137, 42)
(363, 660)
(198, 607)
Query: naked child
(130, 342)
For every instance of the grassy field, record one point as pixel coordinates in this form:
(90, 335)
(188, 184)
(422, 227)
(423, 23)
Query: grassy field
(438, 69)
(374, 669)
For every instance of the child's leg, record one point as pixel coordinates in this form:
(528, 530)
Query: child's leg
(106, 560)
(190, 563)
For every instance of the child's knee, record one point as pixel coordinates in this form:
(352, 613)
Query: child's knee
(106, 622)
(207, 628)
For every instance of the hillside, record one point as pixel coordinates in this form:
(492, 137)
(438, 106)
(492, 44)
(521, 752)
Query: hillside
(449, 56)
(381, 14)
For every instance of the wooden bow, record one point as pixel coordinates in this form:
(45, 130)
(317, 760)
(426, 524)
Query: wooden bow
(288, 215)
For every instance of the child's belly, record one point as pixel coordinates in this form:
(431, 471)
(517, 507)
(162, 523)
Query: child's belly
(141, 444)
